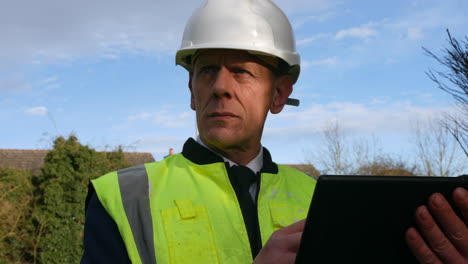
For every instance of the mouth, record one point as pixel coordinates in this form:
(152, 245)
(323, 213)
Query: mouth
(222, 115)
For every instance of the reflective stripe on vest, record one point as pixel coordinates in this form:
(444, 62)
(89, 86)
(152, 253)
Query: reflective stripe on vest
(194, 210)
(125, 196)
(134, 190)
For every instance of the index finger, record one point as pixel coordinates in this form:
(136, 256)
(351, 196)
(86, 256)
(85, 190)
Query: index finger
(293, 228)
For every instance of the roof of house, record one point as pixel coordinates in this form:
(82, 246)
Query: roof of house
(33, 159)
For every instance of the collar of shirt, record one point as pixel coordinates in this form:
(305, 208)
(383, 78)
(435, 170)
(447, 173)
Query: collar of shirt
(255, 165)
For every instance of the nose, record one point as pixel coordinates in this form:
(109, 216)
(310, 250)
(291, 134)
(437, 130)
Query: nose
(223, 84)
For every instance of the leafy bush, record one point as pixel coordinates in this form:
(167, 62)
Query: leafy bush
(16, 208)
(61, 192)
(42, 217)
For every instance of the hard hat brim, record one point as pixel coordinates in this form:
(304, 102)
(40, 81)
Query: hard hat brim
(183, 57)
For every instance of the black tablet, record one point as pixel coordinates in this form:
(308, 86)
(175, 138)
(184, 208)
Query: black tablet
(363, 219)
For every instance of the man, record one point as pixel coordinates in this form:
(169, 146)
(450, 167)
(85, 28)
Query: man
(223, 199)
(200, 206)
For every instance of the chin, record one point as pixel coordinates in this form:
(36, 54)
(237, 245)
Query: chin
(221, 138)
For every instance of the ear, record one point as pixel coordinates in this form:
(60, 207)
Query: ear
(283, 87)
(192, 98)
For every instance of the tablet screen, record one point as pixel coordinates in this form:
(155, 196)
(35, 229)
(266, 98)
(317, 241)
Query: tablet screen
(363, 219)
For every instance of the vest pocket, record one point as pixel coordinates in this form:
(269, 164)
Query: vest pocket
(283, 215)
(189, 234)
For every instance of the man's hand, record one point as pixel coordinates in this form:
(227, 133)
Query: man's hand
(442, 235)
(282, 246)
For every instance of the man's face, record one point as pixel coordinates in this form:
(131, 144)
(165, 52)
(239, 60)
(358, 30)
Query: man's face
(231, 93)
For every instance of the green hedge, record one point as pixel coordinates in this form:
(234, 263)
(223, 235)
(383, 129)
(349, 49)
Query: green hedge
(16, 208)
(44, 215)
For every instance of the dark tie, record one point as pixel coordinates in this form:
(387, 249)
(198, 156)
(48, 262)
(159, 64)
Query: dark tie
(242, 178)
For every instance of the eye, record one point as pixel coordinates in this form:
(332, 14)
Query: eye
(208, 69)
(240, 71)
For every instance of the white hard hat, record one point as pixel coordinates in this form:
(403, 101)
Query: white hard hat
(257, 26)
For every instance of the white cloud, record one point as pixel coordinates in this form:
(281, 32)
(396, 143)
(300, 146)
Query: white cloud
(37, 111)
(305, 6)
(51, 30)
(323, 62)
(390, 60)
(166, 117)
(429, 16)
(361, 32)
(13, 82)
(380, 100)
(48, 83)
(49, 80)
(415, 33)
(55, 30)
(140, 116)
(301, 21)
(311, 39)
(18, 83)
(359, 118)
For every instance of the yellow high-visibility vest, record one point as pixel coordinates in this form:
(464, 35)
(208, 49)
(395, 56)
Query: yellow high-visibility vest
(181, 211)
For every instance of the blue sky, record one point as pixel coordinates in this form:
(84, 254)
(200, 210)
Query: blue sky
(104, 70)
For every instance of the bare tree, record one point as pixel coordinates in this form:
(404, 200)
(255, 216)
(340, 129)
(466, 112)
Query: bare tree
(342, 154)
(455, 61)
(365, 152)
(437, 151)
(369, 159)
(333, 156)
